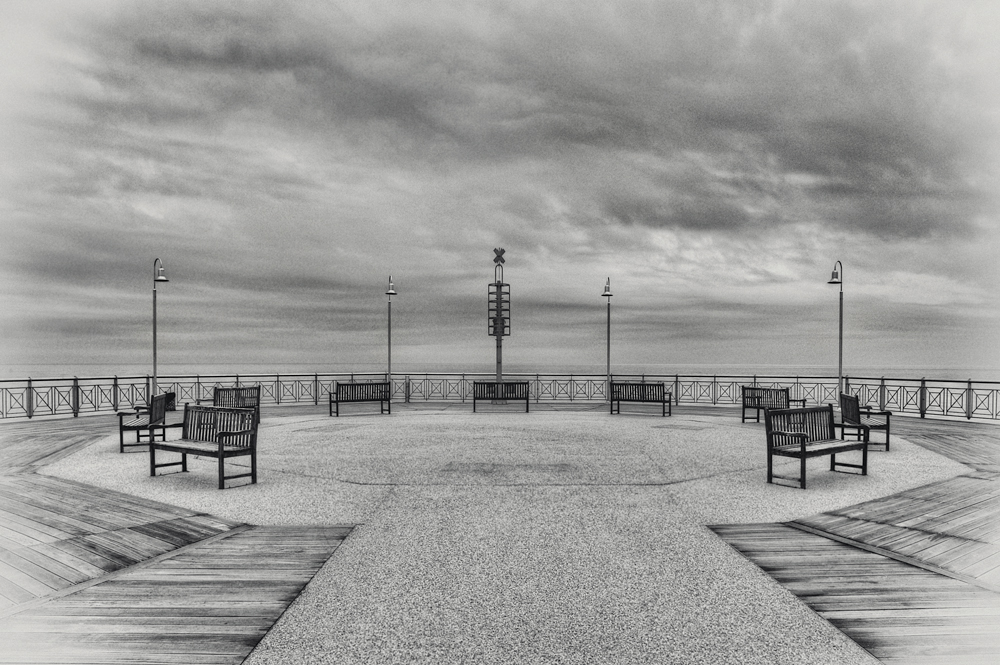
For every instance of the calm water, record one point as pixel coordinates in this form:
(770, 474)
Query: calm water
(84, 370)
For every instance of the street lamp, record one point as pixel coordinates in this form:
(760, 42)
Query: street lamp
(158, 276)
(390, 293)
(607, 294)
(838, 278)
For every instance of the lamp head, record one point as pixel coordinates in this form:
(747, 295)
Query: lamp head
(392, 291)
(835, 278)
(158, 272)
(607, 289)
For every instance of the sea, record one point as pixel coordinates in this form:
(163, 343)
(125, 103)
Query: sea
(94, 370)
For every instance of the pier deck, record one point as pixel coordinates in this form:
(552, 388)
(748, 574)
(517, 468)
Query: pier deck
(90, 575)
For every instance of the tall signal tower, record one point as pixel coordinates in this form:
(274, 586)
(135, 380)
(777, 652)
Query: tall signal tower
(499, 308)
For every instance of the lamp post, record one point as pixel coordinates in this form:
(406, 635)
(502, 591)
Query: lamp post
(390, 293)
(838, 278)
(607, 294)
(158, 276)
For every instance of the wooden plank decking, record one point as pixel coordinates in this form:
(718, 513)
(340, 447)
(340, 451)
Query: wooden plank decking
(93, 576)
(913, 577)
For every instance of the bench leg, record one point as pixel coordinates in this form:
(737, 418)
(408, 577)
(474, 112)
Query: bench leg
(770, 468)
(253, 467)
(222, 472)
(864, 460)
(802, 472)
(152, 461)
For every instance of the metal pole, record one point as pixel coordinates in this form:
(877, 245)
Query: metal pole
(840, 355)
(154, 338)
(608, 389)
(390, 347)
(499, 356)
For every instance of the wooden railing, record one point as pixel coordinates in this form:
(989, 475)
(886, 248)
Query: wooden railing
(29, 398)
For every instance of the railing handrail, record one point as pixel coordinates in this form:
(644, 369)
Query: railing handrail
(947, 398)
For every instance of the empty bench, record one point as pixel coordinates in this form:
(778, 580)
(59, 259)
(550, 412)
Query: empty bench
(210, 431)
(862, 419)
(147, 421)
(805, 433)
(502, 391)
(242, 397)
(757, 398)
(373, 391)
(647, 393)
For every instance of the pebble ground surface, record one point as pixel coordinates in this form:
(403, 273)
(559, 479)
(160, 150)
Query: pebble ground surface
(556, 536)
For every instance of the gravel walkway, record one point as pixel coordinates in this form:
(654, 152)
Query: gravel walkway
(549, 537)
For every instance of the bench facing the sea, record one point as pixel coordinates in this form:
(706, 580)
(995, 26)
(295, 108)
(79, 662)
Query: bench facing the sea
(757, 398)
(647, 393)
(369, 391)
(500, 392)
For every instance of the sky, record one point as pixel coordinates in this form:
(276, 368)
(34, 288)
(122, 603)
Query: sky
(713, 159)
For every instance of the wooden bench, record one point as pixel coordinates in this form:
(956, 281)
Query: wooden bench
(648, 393)
(242, 397)
(147, 420)
(371, 391)
(862, 419)
(210, 431)
(805, 433)
(500, 392)
(757, 398)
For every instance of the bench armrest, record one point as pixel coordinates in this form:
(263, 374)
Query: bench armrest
(868, 411)
(801, 401)
(138, 412)
(219, 436)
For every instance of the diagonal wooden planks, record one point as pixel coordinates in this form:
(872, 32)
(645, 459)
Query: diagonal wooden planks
(56, 533)
(211, 603)
(899, 613)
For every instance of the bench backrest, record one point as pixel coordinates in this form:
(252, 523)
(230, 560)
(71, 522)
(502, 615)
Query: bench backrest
(637, 392)
(815, 422)
(850, 409)
(363, 392)
(244, 397)
(764, 398)
(203, 423)
(504, 390)
(158, 409)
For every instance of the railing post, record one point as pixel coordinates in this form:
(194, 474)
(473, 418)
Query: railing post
(881, 395)
(76, 397)
(923, 397)
(968, 401)
(114, 393)
(237, 380)
(316, 389)
(406, 388)
(277, 389)
(148, 389)
(30, 399)
(847, 387)
(715, 389)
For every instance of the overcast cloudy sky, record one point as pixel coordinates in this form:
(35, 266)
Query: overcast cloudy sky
(714, 159)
